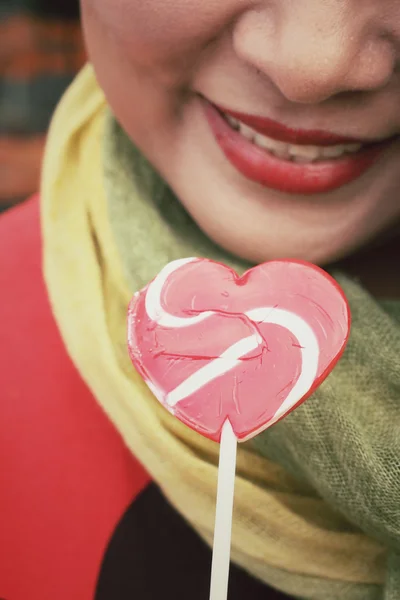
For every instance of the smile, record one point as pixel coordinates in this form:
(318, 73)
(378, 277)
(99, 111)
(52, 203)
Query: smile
(291, 161)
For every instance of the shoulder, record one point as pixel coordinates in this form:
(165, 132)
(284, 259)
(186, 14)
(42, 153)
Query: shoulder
(67, 477)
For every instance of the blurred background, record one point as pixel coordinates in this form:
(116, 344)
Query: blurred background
(41, 50)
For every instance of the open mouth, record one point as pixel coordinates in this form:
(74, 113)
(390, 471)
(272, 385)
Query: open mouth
(287, 160)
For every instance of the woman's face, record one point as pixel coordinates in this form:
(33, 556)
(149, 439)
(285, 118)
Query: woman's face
(275, 122)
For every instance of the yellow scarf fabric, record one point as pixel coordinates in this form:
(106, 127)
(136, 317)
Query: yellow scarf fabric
(283, 532)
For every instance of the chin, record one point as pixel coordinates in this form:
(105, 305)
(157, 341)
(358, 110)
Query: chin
(257, 253)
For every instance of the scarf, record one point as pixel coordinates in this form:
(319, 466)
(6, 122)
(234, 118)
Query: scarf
(317, 500)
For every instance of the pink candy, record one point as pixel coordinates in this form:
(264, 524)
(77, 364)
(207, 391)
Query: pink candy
(213, 346)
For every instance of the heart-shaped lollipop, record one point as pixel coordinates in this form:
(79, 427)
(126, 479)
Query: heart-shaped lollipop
(213, 346)
(229, 356)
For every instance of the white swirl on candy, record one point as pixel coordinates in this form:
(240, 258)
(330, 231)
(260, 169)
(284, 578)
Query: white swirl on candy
(231, 357)
(153, 299)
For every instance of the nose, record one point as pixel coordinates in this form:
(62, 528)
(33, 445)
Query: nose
(314, 49)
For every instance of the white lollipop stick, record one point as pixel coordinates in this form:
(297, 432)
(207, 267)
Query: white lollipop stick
(223, 516)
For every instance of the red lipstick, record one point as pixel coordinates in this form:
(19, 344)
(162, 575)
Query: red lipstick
(262, 166)
(282, 133)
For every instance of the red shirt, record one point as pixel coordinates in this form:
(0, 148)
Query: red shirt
(65, 476)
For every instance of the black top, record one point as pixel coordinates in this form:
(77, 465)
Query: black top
(154, 554)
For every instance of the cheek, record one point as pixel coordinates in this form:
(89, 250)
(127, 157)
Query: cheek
(135, 67)
(159, 28)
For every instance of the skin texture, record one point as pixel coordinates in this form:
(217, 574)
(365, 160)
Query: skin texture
(310, 64)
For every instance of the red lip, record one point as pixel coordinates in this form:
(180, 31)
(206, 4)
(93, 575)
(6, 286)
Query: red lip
(280, 132)
(263, 167)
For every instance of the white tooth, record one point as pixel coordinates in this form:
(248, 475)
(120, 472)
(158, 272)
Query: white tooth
(247, 132)
(353, 147)
(232, 121)
(333, 151)
(281, 150)
(307, 152)
(263, 141)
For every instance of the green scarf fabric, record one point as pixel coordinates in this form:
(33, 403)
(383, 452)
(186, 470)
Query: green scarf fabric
(345, 441)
